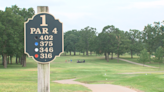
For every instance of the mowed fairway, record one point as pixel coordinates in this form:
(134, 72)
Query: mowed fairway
(95, 71)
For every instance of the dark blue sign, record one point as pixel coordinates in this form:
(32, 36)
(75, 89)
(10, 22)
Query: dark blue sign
(43, 37)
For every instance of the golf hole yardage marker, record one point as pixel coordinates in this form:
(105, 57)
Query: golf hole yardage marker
(43, 41)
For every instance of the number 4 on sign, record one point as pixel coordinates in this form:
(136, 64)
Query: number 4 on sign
(55, 30)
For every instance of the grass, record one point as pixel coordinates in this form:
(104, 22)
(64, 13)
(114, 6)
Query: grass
(135, 59)
(24, 79)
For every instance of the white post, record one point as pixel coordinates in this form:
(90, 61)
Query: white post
(43, 69)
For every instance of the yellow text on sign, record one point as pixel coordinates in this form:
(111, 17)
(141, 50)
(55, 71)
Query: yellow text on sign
(42, 31)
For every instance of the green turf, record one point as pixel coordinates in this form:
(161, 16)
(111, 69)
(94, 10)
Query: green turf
(152, 63)
(24, 79)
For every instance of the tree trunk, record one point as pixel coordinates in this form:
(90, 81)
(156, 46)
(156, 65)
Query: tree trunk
(74, 52)
(118, 53)
(79, 53)
(2, 60)
(24, 61)
(70, 52)
(107, 56)
(16, 59)
(5, 60)
(83, 53)
(149, 57)
(65, 53)
(19, 60)
(117, 57)
(131, 54)
(91, 53)
(11, 59)
(112, 55)
(87, 52)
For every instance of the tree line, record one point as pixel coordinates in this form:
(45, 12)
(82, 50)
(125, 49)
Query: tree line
(113, 40)
(109, 41)
(12, 34)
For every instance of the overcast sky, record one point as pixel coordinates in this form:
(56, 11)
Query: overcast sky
(78, 14)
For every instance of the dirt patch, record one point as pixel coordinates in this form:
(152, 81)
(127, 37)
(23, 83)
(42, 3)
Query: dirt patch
(99, 87)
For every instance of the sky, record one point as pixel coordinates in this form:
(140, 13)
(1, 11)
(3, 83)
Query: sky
(78, 14)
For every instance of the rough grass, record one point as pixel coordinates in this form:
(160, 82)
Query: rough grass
(24, 79)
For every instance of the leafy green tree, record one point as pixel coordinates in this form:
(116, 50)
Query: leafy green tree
(159, 39)
(2, 28)
(11, 22)
(159, 55)
(144, 56)
(67, 45)
(122, 43)
(80, 46)
(149, 38)
(92, 45)
(135, 41)
(25, 14)
(97, 43)
(12, 32)
(103, 44)
(71, 40)
(110, 29)
(86, 35)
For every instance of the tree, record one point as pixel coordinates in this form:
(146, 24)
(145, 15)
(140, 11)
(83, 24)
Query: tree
(144, 56)
(71, 40)
(135, 41)
(122, 43)
(11, 22)
(12, 32)
(103, 44)
(149, 38)
(2, 28)
(159, 55)
(159, 39)
(110, 29)
(25, 14)
(67, 43)
(86, 35)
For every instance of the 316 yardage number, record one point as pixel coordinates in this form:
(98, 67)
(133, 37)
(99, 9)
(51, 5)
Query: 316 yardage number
(45, 55)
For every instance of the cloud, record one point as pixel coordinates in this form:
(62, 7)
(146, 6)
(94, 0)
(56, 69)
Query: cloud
(141, 5)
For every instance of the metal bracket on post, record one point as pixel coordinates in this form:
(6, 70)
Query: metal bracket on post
(43, 69)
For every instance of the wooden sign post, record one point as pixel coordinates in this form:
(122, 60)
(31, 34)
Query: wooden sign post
(43, 69)
(43, 41)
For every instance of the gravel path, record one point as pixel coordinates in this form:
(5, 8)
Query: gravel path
(136, 63)
(98, 87)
